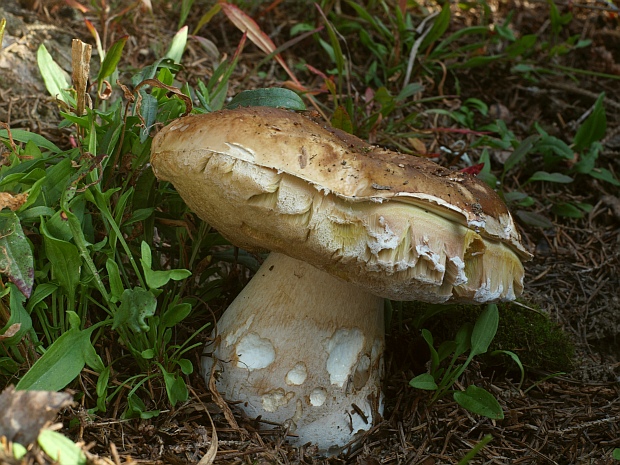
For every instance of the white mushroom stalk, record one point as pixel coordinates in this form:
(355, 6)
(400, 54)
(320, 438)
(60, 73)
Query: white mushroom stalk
(357, 222)
(303, 349)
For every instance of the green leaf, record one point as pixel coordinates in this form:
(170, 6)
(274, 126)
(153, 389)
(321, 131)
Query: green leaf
(65, 260)
(54, 77)
(112, 57)
(342, 120)
(102, 388)
(424, 381)
(516, 359)
(186, 6)
(16, 258)
(463, 339)
(175, 387)
(114, 278)
(440, 26)
(550, 177)
(19, 316)
(604, 175)
(177, 47)
(175, 314)
(594, 127)
(534, 219)
(41, 292)
(136, 305)
(157, 279)
(520, 152)
(61, 449)
(567, 210)
(549, 145)
(62, 362)
(22, 135)
(616, 454)
(484, 330)
(186, 366)
(270, 97)
(479, 401)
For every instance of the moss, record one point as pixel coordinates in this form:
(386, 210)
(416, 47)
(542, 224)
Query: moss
(540, 343)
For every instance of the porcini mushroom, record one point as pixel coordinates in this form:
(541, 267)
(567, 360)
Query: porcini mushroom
(348, 224)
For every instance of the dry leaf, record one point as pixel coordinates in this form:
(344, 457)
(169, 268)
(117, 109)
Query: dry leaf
(24, 413)
(80, 55)
(12, 202)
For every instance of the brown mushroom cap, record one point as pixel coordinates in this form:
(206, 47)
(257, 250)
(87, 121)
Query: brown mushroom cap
(401, 226)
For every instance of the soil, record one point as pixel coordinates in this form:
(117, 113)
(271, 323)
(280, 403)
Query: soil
(568, 418)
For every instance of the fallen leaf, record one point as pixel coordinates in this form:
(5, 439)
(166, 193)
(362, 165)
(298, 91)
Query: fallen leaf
(24, 413)
(12, 202)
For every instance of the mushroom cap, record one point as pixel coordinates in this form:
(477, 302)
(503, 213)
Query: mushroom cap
(399, 225)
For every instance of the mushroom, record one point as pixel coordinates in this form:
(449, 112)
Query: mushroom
(348, 224)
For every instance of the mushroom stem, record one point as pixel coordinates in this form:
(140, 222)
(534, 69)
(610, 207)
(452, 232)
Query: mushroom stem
(305, 349)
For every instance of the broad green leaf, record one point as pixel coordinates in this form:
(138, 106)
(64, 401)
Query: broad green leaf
(175, 314)
(114, 278)
(62, 362)
(409, 90)
(521, 46)
(136, 408)
(54, 76)
(16, 258)
(439, 27)
(65, 260)
(424, 381)
(549, 145)
(186, 366)
(445, 349)
(149, 113)
(270, 97)
(342, 120)
(41, 292)
(594, 127)
(520, 152)
(102, 389)
(136, 306)
(567, 210)
(177, 47)
(550, 177)
(157, 279)
(484, 330)
(479, 401)
(604, 175)
(61, 449)
(587, 159)
(175, 387)
(112, 57)
(534, 219)
(463, 339)
(19, 451)
(616, 454)
(31, 150)
(19, 316)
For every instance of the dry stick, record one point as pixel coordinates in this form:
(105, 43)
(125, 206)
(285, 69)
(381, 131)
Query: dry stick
(220, 402)
(209, 457)
(577, 90)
